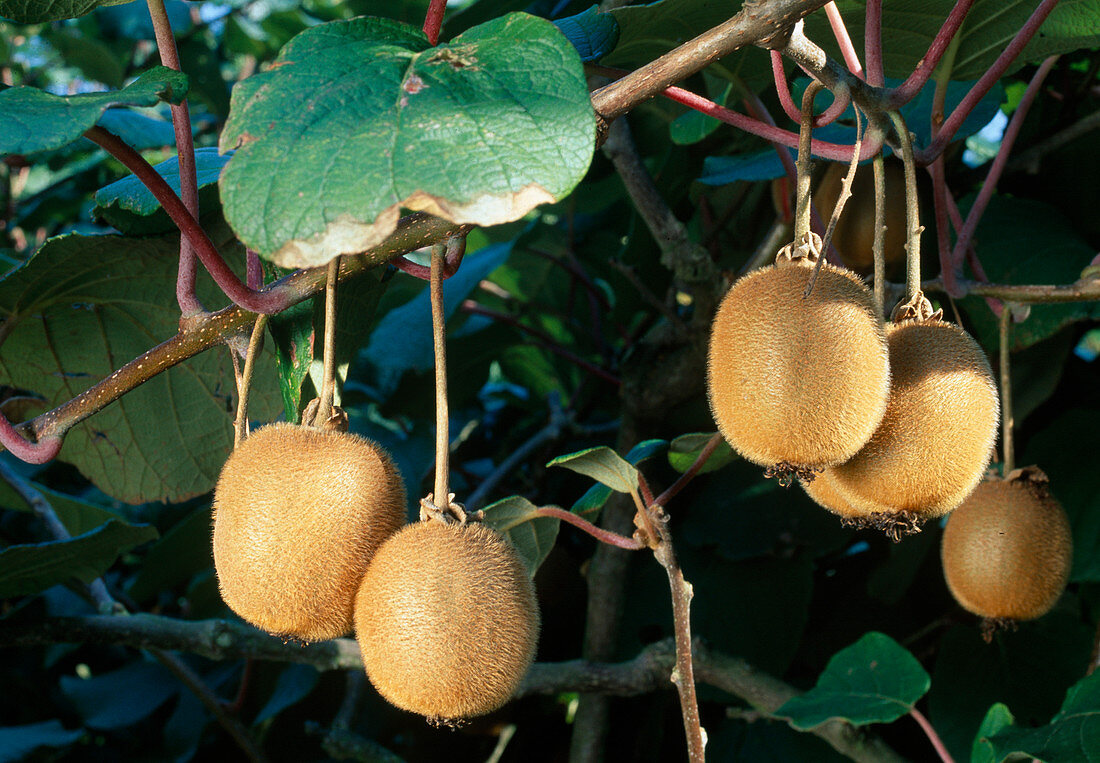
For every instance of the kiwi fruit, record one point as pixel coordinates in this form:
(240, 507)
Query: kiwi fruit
(447, 620)
(855, 230)
(824, 493)
(797, 383)
(935, 441)
(298, 513)
(1007, 550)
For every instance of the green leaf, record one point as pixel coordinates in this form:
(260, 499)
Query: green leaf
(83, 306)
(183, 551)
(592, 33)
(357, 119)
(293, 333)
(34, 120)
(531, 534)
(999, 717)
(140, 131)
(603, 465)
(1021, 241)
(17, 742)
(122, 697)
(683, 451)
(294, 684)
(33, 567)
(128, 204)
(1072, 734)
(875, 680)
(94, 59)
(37, 11)
(593, 500)
(910, 26)
(78, 516)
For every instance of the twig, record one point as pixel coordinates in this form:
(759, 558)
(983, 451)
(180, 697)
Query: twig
(185, 152)
(1007, 452)
(933, 737)
(44, 449)
(841, 98)
(604, 536)
(974, 216)
(878, 243)
(1081, 291)
(872, 43)
(456, 250)
(692, 471)
(240, 428)
(328, 378)
(840, 32)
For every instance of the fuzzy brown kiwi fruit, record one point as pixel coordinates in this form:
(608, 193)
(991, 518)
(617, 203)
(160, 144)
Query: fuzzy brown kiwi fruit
(447, 620)
(855, 230)
(298, 513)
(935, 440)
(797, 383)
(1008, 549)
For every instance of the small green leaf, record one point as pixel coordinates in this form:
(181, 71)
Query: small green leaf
(38, 11)
(357, 119)
(683, 451)
(593, 500)
(873, 681)
(18, 742)
(127, 204)
(30, 568)
(592, 33)
(999, 717)
(1072, 734)
(34, 120)
(531, 534)
(603, 465)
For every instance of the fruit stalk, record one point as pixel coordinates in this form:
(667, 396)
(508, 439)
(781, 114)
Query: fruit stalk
(442, 432)
(240, 429)
(933, 737)
(1007, 450)
(805, 132)
(328, 381)
(878, 245)
(912, 210)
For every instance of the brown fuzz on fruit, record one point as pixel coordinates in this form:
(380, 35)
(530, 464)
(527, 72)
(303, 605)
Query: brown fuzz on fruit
(855, 230)
(894, 524)
(1007, 551)
(936, 438)
(298, 514)
(797, 383)
(447, 620)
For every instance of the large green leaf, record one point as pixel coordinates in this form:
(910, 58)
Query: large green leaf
(30, 568)
(357, 119)
(37, 11)
(122, 697)
(180, 553)
(34, 120)
(910, 25)
(129, 206)
(531, 534)
(82, 307)
(875, 680)
(1072, 734)
(77, 516)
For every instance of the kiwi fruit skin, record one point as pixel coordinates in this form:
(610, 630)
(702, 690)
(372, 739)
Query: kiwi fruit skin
(1007, 551)
(824, 493)
(936, 438)
(447, 620)
(298, 514)
(855, 230)
(797, 380)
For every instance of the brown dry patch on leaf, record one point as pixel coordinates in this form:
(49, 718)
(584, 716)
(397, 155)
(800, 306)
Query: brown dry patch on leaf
(486, 209)
(344, 235)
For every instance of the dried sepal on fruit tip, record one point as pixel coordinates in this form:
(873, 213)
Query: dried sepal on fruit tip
(1007, 550)
(935, 441)
(447, 620)
(795, 382)
(298, 514)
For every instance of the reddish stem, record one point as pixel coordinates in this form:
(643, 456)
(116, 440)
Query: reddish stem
(843, 39)
(836, 108)
(254, 272)
(456, 250)
(253, 301)
(693, 470)
(999, 162)
(185, 152)
(971, 255)
(905, 92)
(433, 20)
(872, 43)
(943, 235)
(643, 487)
(933, 737)
(987, 80)
(31, 452)
(604, 536)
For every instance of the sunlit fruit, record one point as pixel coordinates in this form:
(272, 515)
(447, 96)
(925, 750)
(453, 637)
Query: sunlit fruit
(855, 230)
(936, 438)
(797, 382)
(298, 514)
(447, 620)
(1007, 550)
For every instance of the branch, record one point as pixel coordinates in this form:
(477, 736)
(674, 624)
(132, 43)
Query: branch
(1085, 290)
(413, 232)
(646, 673)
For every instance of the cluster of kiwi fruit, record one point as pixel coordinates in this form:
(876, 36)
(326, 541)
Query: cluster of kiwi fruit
(886, 426)
(310, 541)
